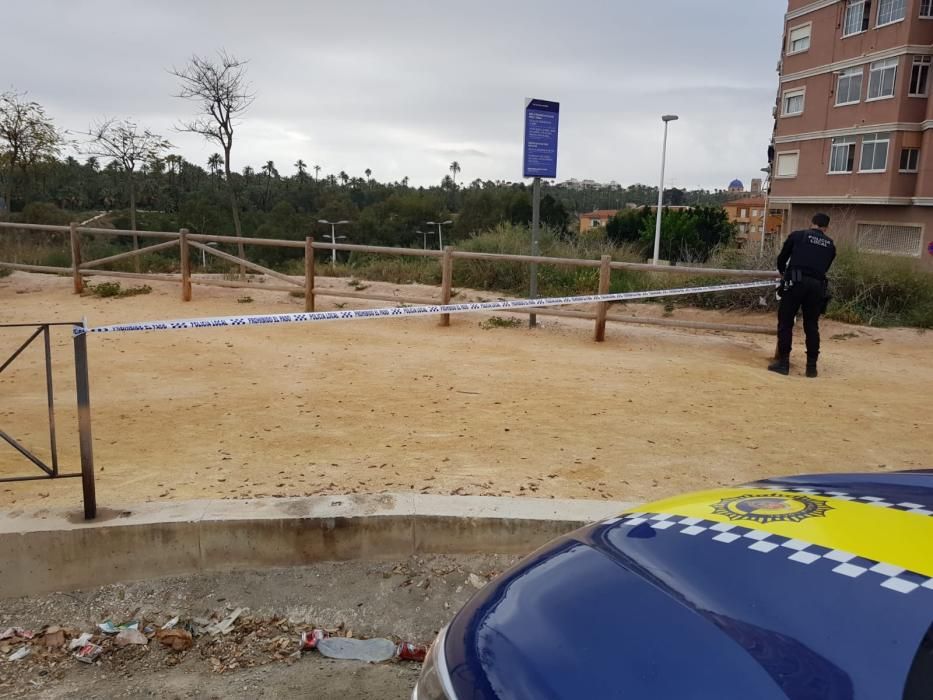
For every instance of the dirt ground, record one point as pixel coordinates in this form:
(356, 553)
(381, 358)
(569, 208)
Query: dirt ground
(400, 404)
(409, 600)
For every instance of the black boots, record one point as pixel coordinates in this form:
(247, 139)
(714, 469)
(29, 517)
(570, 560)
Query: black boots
(781, 365)
(811, 367)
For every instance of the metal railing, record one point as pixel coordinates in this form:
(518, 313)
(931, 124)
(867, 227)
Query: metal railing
(53, 471)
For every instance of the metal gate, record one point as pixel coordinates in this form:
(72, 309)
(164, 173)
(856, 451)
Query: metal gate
(52, 471)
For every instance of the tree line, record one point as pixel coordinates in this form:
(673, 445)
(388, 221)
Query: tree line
(117, 164)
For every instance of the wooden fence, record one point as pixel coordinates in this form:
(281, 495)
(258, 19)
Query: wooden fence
(186, 241)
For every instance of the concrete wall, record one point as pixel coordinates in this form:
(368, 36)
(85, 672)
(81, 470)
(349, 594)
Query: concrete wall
(48, 551)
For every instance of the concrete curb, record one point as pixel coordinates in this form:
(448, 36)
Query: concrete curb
(56, 550)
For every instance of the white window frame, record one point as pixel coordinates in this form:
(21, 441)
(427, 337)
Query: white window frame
(790, 38)
(789, 94)
(863, 21)
(839, 142)
(916, 167)
(921, 62)
(777, 164)
(874, 139)
(881, 4)
(885, 65)
(850, 73)
(893, 224)
(926, 9)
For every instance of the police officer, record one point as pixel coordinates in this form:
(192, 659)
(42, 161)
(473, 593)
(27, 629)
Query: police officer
(804, 261)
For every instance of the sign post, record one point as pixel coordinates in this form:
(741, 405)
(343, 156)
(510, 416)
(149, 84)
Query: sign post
(540, 160)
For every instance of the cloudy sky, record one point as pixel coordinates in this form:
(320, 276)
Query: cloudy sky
(405, 87)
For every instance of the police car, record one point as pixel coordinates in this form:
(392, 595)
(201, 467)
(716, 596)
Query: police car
(808, 587)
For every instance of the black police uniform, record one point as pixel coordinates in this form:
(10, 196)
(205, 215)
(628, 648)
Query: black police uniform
(803, 261)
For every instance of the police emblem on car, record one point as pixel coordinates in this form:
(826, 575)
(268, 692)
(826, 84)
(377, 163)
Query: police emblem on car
(768, 508)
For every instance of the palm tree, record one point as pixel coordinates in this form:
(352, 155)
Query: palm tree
(215, 163)
(454, 171)
(344, 178)
(302, 168)
(368, 172)
(270, 171)
(317, 172)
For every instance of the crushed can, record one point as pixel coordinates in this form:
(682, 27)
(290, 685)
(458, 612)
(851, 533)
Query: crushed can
(407, 651)
(89, 653)
(310, 639)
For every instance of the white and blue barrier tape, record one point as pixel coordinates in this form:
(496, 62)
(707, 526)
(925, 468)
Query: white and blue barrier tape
(393, 312)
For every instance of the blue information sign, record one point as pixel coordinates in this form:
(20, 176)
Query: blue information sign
(541, 117)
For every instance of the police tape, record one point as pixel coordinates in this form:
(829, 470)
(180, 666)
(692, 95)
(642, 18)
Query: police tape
(399, 311)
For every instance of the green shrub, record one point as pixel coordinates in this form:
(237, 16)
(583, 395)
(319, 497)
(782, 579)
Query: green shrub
(114, 290)
(880, 290)
(105, 289)
(5, 272)
(499, 322)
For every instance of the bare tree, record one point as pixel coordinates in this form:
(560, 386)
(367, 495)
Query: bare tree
(27, 136)
(222, 93)
(122, 142)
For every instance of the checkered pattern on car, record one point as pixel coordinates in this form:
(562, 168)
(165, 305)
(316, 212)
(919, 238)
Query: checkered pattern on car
(888, 576)
(905, 506)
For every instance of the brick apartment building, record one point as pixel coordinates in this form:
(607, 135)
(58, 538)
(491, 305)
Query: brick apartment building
(854, 123)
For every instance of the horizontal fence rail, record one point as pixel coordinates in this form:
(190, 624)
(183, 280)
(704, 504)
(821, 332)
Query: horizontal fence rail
(305, 285)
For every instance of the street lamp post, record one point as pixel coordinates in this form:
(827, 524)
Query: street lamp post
(440, 232)
(764, 223)
(667, 118)
(204, 255)
(425, 235)
(333, 237)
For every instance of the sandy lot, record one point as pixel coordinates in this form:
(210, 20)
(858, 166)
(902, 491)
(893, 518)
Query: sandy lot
(394, 405)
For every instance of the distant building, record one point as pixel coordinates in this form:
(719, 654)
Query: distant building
(736, 186)
(748, 215)
(756, 185)
(595, 219)
(853, 133)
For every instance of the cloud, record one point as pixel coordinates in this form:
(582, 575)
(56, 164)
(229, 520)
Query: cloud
(405, 87)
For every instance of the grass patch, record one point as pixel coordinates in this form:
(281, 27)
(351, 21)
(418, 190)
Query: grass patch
(499, 322)
(113, 290)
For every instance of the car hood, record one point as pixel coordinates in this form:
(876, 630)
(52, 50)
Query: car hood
(810, 587)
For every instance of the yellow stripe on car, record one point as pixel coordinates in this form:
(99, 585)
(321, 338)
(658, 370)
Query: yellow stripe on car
(883, 534)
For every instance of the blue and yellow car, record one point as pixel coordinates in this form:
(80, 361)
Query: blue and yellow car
(801, 588)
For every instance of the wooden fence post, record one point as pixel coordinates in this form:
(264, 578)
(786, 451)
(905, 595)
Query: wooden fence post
(76, 257)
(602, 308)
(447, 276)
(309, 273)
(185, 266)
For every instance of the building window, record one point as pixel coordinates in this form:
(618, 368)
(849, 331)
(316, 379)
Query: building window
(926, 9)
(849, 86)
(842, 155)
(890, 11)
(857, 17)
(874, 153)
(595, 223)
(919, 74)
(754, 213)
(881, 75)
(798, 40)
(910, 157)
(793, 102)
(743, 213)
(787, 164)
(889, 239)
